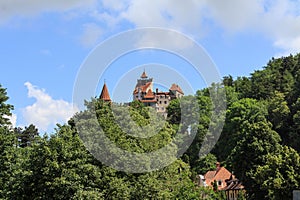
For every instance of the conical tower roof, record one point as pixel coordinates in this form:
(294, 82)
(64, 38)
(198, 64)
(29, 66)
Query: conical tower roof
(104, 93)
(144, 75)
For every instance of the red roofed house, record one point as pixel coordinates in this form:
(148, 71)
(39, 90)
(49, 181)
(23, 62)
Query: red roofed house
(220, 175)
(143, 92)
(225, 181)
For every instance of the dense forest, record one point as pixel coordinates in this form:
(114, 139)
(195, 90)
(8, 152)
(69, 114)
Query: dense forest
(259, 142)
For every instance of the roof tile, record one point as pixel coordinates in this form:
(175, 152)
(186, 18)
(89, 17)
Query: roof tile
(105, 94)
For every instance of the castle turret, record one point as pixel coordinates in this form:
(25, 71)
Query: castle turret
(143, 85)
(105, 94)
(144, 75)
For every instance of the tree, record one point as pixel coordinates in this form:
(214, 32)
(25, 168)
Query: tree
(7, 164)
(278, 110)
(26, 137)
(5, 108)
(205, 164)
(262, 84)
(294, 132)
(10, 159)
(228, 80)
(204, 104)
(59, 167)
(240, 112)
(279, 176)
(243, 86)
(257, 142)
(174, 112)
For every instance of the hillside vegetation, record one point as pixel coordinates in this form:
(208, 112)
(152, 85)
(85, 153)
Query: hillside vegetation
(259, 142)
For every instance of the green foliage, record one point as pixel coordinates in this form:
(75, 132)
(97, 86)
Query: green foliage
(258, 128)
(259, 142)
(242, 86)
(245, 111)
(8, 157)
(174, 112)
(279, 176)
(5, 109)
(60, 166)
(27, 136)
(206, 163)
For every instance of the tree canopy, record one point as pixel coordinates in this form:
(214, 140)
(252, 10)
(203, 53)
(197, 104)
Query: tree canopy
(259, 142)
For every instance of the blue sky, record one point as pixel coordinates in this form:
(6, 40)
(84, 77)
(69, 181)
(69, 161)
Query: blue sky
(44, 44)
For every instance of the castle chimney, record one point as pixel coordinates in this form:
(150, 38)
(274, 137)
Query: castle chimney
(156, 90)
(218, 166)
(232, 175)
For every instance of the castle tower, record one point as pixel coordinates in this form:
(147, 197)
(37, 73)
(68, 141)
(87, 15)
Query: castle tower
(105, 94)
(143, 85)
(175, 91)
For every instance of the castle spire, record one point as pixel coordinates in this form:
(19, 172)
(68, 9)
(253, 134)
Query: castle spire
(105, 94)
(144, 75)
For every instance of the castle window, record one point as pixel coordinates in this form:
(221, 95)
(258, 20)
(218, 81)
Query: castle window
(165, 102)
(220, 182)
(159, 102)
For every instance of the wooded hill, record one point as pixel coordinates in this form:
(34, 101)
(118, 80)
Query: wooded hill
(259, 142)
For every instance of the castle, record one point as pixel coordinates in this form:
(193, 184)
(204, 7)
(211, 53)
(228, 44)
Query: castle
(144, 93)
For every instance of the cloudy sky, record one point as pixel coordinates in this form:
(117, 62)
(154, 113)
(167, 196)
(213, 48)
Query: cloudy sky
(44, 43)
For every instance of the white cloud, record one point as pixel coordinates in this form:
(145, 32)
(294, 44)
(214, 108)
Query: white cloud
(154, 39)
(91, 34)
(276, 19)
(13, 119)
(177, 14)
(279, 20)
(235, 15)
(46, 111)
(110, 20)
(12, 8)
(289, 46)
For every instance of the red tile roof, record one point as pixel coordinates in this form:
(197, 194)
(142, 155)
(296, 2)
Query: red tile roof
(176, 87)
(144, 75)
(104, 94)
(149, 95)
(144, 88)
(209, 175)
(220, 174)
